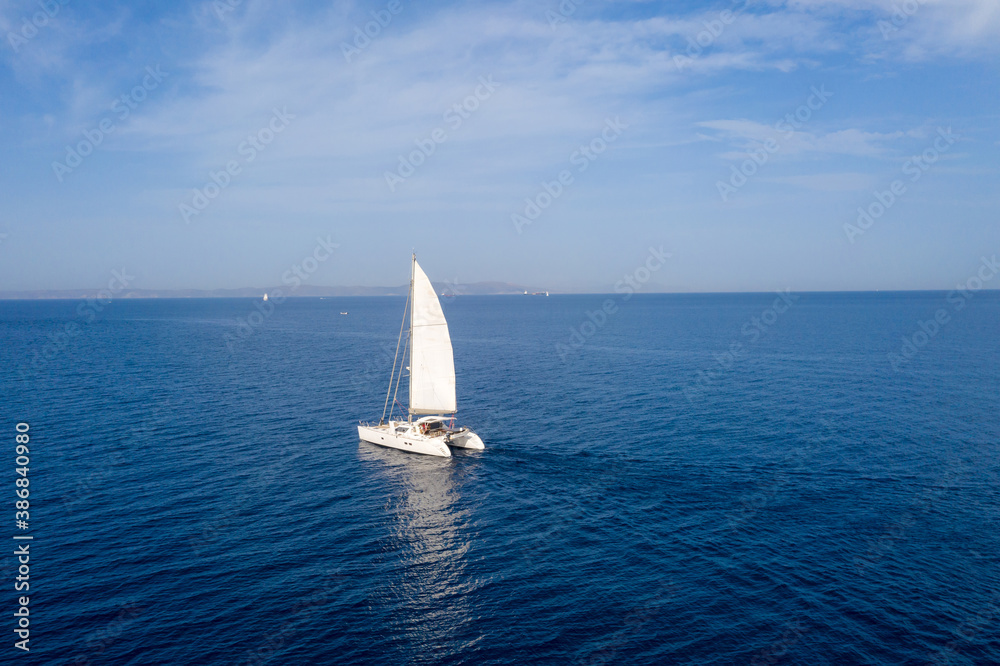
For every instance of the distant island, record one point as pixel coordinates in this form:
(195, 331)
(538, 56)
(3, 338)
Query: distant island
(303, 291)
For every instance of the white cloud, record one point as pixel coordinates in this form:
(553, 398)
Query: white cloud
(750, 135)
(920, 29)
(827, 182)
(556, 88)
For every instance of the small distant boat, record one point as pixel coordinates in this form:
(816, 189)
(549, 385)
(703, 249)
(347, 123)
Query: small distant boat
(432, 381)
(343, 313)
(265, 297)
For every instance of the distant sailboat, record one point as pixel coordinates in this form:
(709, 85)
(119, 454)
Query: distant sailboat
(432, 381)
(265, 296)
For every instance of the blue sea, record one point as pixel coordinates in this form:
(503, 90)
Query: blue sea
(668, 479)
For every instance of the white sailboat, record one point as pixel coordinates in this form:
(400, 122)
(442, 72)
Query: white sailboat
(432, 381)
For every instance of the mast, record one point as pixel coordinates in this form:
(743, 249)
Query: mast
(409, 390)
(395, 358)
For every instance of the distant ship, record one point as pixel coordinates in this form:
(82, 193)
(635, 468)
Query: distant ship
(536, 293)
(265, 297)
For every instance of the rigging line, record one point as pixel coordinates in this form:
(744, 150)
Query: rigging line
(398, 340)
(401, 366)
(413, 295)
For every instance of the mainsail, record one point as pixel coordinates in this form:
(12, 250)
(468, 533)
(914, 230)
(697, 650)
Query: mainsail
(432, 363)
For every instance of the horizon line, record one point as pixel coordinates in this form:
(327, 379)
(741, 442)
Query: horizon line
(39, 295)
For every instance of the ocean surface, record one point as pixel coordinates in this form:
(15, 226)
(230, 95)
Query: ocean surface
(668, 479)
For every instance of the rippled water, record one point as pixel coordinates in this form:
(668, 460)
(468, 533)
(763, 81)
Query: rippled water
(647, 497)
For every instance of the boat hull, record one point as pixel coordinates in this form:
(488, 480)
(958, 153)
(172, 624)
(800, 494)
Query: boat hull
(384, 436)
(467, 440)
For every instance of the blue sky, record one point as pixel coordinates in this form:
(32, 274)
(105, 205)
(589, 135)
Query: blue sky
(313, 120)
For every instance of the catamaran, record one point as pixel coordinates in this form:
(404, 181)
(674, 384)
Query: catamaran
(431, 381)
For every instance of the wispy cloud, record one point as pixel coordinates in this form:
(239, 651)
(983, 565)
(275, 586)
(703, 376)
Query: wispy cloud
(749, 135)
(354, 117)
(915, 30)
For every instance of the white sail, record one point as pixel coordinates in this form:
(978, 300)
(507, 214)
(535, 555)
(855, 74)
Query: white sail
(432, 363)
